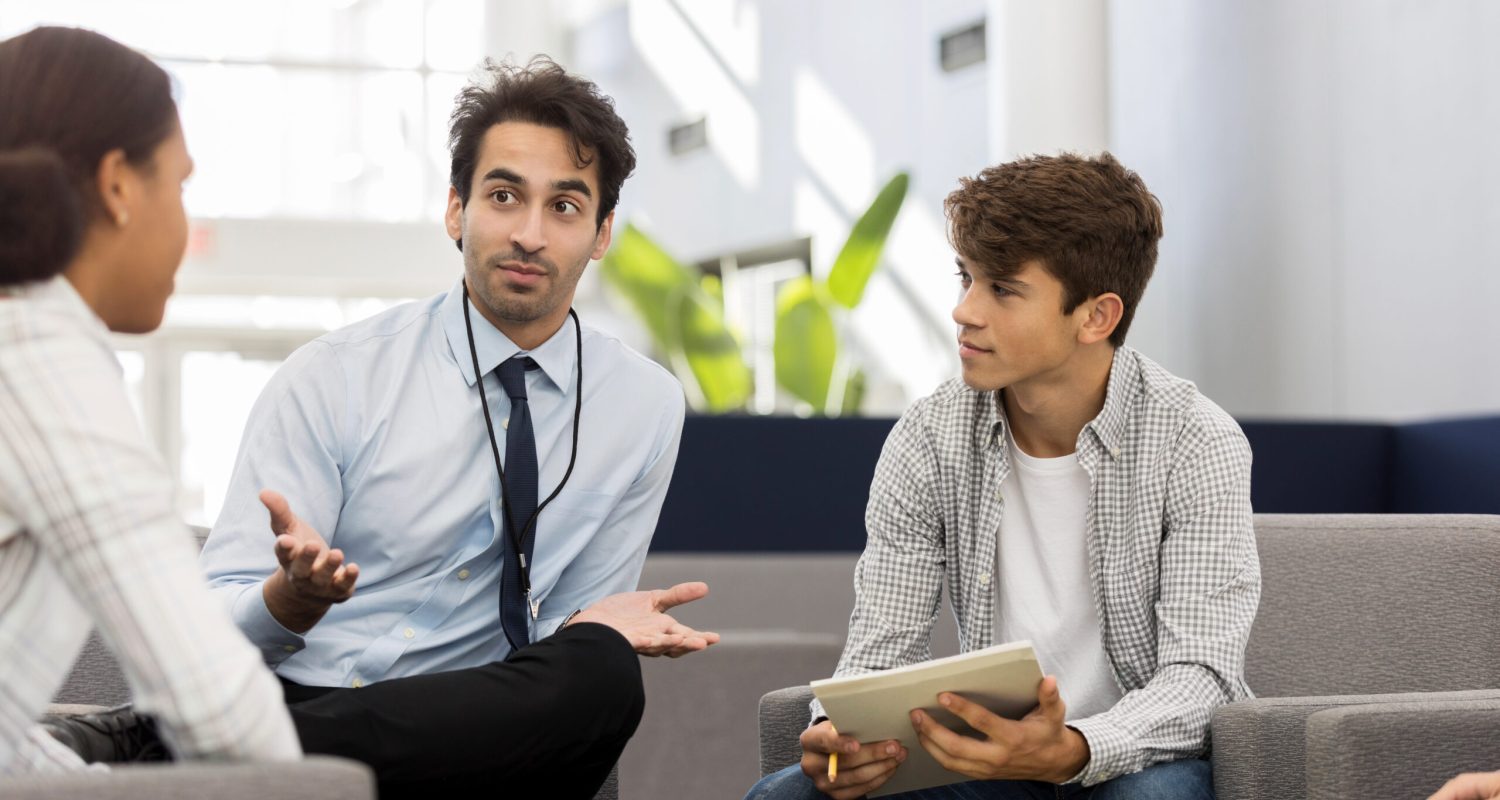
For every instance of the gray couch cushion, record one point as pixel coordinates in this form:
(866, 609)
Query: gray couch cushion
(1364, 604)
(1400, 750)
(1260, 748)
(319, 777)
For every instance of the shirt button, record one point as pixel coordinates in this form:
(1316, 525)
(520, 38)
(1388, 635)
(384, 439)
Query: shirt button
(505, 424)
(984, 580)
(409, 633)
(463, 574)
(358, 684)
(1114, 451)
(290, 648)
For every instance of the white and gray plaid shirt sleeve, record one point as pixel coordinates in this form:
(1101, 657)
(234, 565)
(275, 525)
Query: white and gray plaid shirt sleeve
(898, 579)
(1209, 592)
(89, 523)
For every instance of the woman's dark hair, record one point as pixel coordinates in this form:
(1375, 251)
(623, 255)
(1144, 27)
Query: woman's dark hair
(542, 93)
(68, 97)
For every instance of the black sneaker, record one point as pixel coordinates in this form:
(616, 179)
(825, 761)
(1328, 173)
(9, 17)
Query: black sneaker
(115, 736)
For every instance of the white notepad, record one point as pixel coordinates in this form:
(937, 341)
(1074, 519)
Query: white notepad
(877, 706)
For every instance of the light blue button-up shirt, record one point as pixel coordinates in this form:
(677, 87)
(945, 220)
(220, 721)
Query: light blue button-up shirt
(375, 435)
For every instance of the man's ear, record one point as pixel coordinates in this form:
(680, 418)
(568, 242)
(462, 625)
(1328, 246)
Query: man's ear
(1104, 314)
(117, 186)
(453, 218)
(602, 238)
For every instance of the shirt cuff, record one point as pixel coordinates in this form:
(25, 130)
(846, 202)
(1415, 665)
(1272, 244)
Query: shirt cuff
(276, 643)
(818, 714)
(1110, 751)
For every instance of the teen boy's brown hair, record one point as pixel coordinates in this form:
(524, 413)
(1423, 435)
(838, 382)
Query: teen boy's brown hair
(1091, 223)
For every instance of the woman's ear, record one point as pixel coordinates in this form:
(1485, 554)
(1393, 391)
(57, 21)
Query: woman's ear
(117, 183)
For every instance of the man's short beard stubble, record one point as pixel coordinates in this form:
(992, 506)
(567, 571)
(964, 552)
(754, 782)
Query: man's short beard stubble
(510, 306)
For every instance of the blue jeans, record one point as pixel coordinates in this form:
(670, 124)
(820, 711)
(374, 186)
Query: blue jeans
(1191, 779)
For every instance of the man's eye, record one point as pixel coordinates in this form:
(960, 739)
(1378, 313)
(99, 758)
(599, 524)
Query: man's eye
(502, 195)
(963, 277)
(565, 207)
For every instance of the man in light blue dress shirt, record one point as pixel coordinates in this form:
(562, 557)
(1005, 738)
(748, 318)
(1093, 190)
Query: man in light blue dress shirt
(374, 588)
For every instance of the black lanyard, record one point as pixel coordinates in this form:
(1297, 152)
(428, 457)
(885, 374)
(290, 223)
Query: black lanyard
(518, 535)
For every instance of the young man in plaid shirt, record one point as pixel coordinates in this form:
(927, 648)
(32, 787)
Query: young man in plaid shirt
(1068, 491)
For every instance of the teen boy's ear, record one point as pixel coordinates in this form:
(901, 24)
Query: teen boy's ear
(1104, 315)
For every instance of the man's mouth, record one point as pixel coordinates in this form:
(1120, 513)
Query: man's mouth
(967, 349)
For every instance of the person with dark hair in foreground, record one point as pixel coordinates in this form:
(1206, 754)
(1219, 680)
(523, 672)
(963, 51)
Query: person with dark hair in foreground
(461, 490)
(92, 230)
(1068, 491)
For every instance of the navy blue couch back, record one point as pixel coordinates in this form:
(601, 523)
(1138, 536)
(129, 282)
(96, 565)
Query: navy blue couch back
(746, 484)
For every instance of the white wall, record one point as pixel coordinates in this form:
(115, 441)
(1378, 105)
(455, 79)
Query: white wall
(810, 108)
(1332, 210)
(1332, 201)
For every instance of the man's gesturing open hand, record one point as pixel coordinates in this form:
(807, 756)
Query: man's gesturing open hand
(312, 577)
(641, 618)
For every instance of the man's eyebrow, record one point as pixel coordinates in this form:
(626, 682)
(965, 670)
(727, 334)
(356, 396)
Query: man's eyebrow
(573, 185)
(1009, 280)
(503, 174)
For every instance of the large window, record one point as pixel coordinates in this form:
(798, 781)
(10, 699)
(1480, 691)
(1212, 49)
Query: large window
(330, 109)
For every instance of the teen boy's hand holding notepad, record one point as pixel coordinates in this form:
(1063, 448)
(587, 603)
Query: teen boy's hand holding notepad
(862, 767)
(1010, 727)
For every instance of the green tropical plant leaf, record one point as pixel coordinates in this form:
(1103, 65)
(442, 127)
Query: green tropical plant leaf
(860, 255)
(854, 394)
(648, 278)
(711, 350)
(806, 343)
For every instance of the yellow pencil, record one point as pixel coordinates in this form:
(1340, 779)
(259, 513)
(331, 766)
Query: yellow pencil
(833, 758)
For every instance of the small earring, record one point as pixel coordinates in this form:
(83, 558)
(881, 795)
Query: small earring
(122, 219)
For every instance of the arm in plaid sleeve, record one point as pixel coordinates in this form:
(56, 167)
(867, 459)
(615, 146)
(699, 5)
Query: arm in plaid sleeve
(1209, 590)
(898, 579)
(95, 497)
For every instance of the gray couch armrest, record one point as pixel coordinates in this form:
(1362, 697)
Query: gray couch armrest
(1260, 746)
(1401, 749)
(783, 717)
(317, 777)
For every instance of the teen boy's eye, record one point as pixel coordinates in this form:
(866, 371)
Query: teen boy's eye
(504, 196)
(963, 278)
(565, 207)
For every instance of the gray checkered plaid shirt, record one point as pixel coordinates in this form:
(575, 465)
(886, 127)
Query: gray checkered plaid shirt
(1172, 560)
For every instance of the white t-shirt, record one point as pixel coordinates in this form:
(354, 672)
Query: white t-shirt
(1044, 593)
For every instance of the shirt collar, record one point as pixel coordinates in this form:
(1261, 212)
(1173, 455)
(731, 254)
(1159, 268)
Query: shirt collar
(1119, 396)
(59, 294)
(557, 356)
(1108, 426)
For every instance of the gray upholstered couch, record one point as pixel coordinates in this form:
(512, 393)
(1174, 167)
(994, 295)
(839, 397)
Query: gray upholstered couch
(1375, 657)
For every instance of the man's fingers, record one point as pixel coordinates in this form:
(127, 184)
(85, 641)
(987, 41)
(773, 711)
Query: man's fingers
(344, 579)
(863, 779)
(282, 518)
(1049, 697)
(286, 549)
(320, 572)
(979, 718)
(664, 599)
(952, 745)
(821, 738)
(302, 561)
(656, 644)
(1470, 786)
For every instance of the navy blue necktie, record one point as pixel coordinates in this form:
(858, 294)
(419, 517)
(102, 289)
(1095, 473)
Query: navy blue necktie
(521, 484)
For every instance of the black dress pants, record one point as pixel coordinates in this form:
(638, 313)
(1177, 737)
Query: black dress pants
(549, 721)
